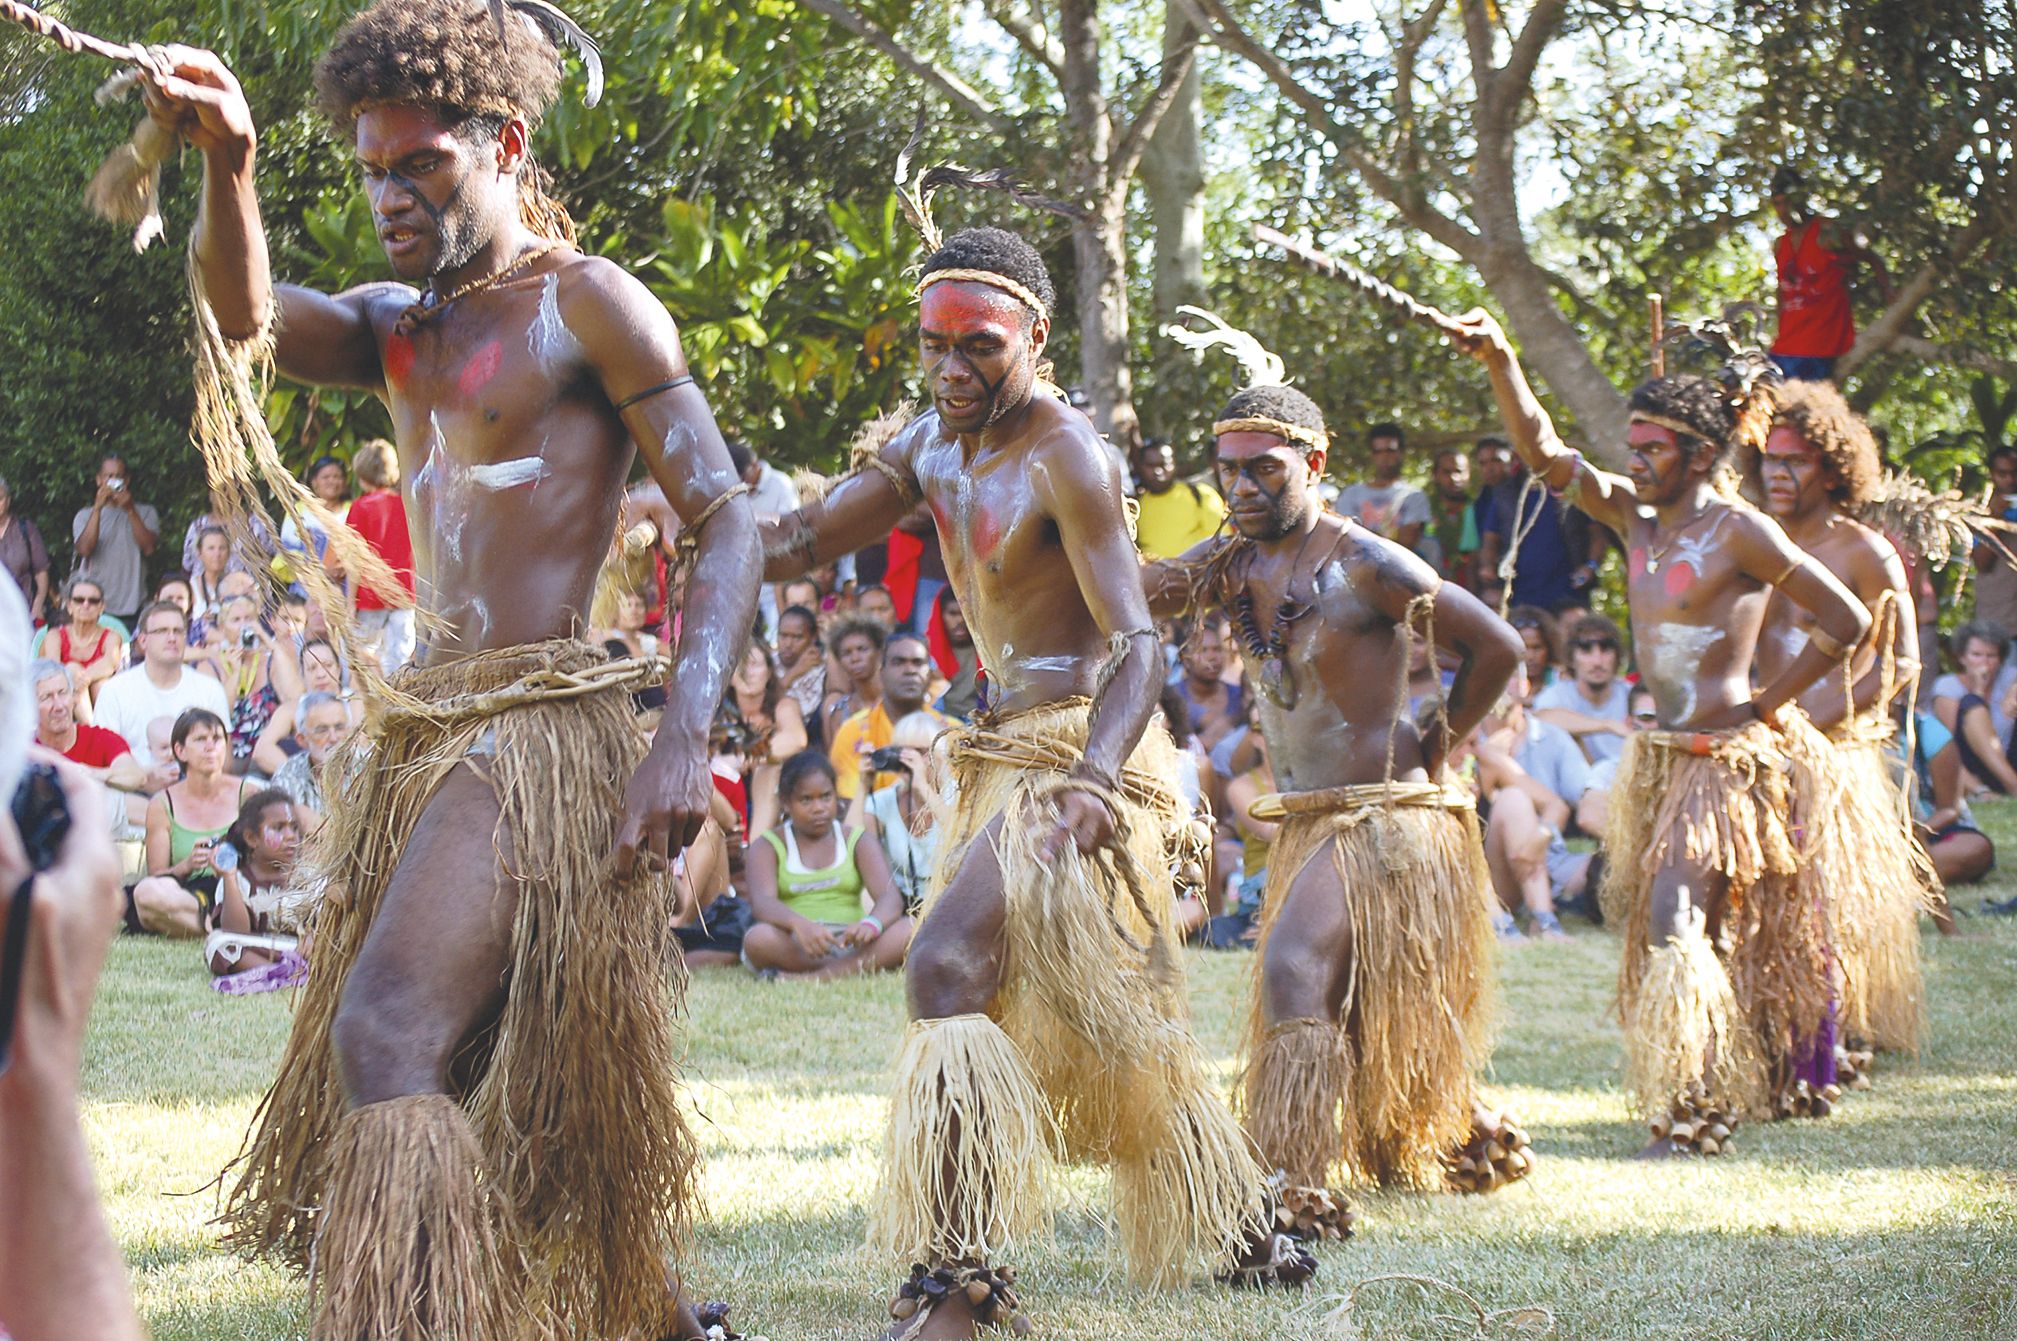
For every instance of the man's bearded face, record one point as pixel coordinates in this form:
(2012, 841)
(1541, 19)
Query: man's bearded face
(1266, 483)
(1663, 468)
(979, 345)
(436, 198)
(1795, 477)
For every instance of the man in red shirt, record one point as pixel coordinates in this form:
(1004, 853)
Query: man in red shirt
(100, 751)
(380, 517)
(1815, 256)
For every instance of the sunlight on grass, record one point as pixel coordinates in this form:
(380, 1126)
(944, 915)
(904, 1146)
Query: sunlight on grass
(1895, 1219)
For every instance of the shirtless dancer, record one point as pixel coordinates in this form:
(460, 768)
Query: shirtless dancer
(1374, 991)
(1727, 972)
(478, 1117)
(1045, 987)
(1820, 463)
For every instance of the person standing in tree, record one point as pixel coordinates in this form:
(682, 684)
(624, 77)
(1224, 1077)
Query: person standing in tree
(1815, 256)
(1044, 984)
(489, 1009)
(1726, 980)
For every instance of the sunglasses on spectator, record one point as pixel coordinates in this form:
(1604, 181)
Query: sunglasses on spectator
(1649, 718)
(87, 600)
(1594, 645)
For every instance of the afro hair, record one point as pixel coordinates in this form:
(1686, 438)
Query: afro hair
(999, 252)
(1817, 412)
(1283, 403)
(444, 54)
(1700, 403)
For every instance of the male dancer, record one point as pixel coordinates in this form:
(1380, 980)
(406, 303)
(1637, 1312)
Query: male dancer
(1372, 1001)
(1819, 464)
(477, 1119)
(1726, 976)
(1045, 987)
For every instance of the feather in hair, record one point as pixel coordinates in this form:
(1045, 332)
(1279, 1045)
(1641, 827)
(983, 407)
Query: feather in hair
(1262, 366)
(565, 32)
(1747, 373)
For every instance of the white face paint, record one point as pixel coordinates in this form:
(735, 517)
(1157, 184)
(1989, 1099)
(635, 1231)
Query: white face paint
(549, 340)
(1792, 642)
(1671, 664)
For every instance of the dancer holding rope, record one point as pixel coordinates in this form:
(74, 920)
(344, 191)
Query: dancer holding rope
(1818, 467)
(1374, 991)
(1727, 979)
(477, 1119)
(1046, 990)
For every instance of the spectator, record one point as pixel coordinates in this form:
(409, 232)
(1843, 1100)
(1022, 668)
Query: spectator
(175, 589)
(379, 516)
(776, 725)
(771, 492)
(206, 579)
(915, 568)
(114, 538)
(1492, 461)
(630, 638)
(102, 755)
(1974, 704)
(801, 659)
(853, 674)
(1452, 537)
(905, 676)
(1592, 703)
(25, 556)
(258, 673)
(1537, 634)
(250, 929)
(807, 878)
(1193, 880)
(92, 649)
(873, 602)
(1960, 851)
(1241, 926)
(160, 687)
(321, 673)
(1175, 514)
(1531, 776)
(957, 659)
(328, 479)
(1995, 578)
(184, 824)
(1389, 506)
(904, 816)
(322, 724)
(1559, 546)
(1214, 707)
(1645, 717)
(262, 538)
(712, 919)
(1815, 255)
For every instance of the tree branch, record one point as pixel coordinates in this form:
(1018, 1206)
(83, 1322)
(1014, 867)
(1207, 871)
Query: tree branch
(1894, 323)
(1176, 68)
(1928, 351)
(1516, 76)
(956, 90)
(1217, 22)
(1031, 35)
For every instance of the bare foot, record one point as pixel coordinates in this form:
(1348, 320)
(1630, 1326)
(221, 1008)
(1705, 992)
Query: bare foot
(950, 1317)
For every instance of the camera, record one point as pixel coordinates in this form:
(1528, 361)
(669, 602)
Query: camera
(116, 485)
(41, 815)
(248, 637)
(888, 759)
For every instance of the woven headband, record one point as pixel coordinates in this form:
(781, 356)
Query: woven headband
(988, 277)
(1302, 433)
(1674, 425)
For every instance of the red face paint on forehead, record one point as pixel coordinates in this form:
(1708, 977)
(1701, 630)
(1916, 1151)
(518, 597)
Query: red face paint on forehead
(1785, 440)
(1642, 433)
(959, 308)
(482, 366)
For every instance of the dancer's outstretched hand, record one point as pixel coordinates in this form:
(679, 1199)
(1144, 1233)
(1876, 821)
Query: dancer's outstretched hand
(200, 100)
(665, 802)
(1478, 334)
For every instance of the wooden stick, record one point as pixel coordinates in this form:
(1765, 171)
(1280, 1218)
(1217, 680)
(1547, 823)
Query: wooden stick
(1658, 305)
(1326, 264)
(70, 39)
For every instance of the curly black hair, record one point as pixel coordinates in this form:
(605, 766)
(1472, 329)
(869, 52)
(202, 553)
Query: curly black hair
(1275, 402)
(1698, 402)
(444, 54)
(1000, 252)
(1818, 413)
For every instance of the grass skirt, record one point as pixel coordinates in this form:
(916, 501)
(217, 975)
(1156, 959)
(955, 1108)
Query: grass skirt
(1389, 1092)
(1730, 1003)
(1878, 880)
(577, 1128)
(1087, 1042)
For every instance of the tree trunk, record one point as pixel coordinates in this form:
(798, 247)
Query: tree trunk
(1099, 240)
(1173, 177)
(1552, 348)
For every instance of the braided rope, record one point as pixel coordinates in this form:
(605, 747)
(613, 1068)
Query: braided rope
(541, 686)
(74, 41)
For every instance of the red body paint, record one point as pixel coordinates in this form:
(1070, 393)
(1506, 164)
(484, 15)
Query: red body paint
(482, 366)
(1679, 578)
(987, 532)
(1636, 561)
(398, 359)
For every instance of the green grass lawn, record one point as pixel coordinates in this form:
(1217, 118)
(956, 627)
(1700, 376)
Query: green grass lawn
(1895, 1219)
